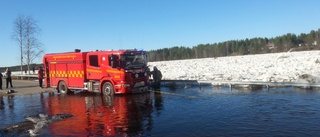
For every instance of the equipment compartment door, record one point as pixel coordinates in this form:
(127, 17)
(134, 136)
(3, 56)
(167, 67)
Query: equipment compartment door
(53, 74)
(75, 75)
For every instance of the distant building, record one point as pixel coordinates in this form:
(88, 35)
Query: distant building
(270, 45)
(314, 43)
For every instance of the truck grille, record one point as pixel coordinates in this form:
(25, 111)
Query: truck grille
(139, 75)
(139, 84)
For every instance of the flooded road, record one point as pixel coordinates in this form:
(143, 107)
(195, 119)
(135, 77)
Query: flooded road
(184, 111)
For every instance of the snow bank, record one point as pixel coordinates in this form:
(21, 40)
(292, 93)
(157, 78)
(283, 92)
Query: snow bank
(276, 67)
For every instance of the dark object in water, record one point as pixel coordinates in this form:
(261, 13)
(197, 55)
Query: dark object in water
(10, 91)
(34, 122)
(248, 87)
(19, 127)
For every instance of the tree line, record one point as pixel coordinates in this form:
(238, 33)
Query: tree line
(284, 43)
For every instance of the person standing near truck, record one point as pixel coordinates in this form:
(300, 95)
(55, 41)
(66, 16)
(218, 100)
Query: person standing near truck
(8, 78)
(40, 76)
(157, 76)
(1, 80)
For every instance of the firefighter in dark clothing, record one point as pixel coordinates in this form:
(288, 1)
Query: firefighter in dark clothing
(157, 76)
(40, 76)
(8, 78)
(1, 81)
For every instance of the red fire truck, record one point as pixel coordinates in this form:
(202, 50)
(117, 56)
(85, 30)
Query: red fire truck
(108, 72)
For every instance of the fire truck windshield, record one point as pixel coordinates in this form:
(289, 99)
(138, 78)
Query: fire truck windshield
(129, 61)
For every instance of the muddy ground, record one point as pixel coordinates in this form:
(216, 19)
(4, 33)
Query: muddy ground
(23, 87)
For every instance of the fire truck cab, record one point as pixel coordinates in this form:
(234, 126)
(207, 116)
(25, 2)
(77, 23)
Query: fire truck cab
(108, 72)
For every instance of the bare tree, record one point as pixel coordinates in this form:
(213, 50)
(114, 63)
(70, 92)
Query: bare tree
(18, 35)
(26, 33)
(33, 47)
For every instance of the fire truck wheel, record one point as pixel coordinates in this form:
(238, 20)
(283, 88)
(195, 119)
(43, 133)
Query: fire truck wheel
(62, 88)
(107, 89)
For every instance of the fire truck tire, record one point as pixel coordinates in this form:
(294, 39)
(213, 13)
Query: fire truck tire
(107, 89)
(62, 88)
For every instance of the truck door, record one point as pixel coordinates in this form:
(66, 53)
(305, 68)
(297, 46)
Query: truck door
(47, 74)
(93, 67)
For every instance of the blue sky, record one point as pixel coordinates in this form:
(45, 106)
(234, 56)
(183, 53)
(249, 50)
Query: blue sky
(151, 24)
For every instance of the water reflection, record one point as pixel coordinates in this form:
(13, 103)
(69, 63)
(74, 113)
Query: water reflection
(10, 102)
(1, 103)
(158, 103)
(97, 115)
(216, 111)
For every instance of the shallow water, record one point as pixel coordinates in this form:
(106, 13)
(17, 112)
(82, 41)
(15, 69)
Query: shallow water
(178, 111)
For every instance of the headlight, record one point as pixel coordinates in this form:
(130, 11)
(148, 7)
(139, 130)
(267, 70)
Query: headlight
(145, 74)
(136, 75)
